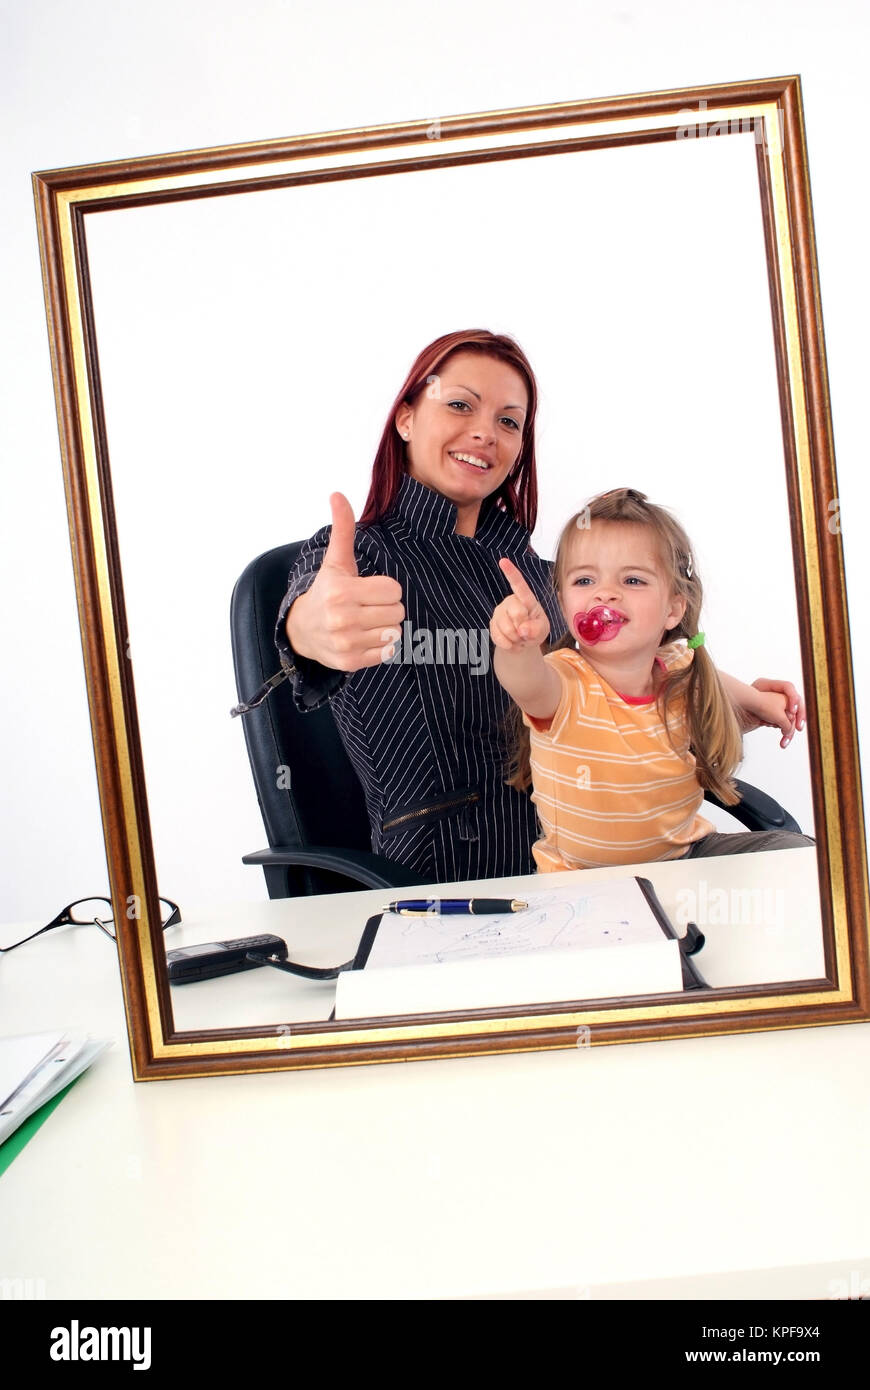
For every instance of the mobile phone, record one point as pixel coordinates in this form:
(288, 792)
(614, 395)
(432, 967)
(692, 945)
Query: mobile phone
(212, 958)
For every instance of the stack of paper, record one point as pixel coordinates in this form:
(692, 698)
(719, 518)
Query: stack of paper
(34, 1067)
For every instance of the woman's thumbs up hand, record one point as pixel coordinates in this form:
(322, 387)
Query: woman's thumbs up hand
(345, 621)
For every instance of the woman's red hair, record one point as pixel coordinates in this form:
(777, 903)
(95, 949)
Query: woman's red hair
(518, 494)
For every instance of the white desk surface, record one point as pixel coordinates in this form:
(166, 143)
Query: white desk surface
(732, 1167)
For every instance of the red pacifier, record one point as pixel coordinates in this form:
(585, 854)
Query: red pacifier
(600, 624)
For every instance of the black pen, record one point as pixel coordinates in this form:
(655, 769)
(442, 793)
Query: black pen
(447, 907)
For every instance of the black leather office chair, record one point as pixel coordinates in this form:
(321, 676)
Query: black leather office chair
(310, 798)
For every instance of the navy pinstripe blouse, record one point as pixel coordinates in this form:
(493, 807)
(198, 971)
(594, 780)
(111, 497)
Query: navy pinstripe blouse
(427, 738)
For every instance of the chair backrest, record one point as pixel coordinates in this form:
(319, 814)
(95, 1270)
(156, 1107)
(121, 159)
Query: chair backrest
(308, 791)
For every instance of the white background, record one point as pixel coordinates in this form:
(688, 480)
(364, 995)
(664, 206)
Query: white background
(103, 81)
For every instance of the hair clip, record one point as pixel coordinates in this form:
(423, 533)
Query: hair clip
(690, 569)
(697, 640)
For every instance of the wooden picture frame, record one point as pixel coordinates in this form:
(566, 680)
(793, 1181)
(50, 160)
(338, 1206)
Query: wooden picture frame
(66, 199)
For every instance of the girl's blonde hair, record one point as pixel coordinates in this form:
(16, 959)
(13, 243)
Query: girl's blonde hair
(714, 734)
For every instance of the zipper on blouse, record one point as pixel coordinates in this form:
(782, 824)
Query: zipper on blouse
(427, 810)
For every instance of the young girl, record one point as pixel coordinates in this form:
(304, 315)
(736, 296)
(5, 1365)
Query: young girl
(625, 733)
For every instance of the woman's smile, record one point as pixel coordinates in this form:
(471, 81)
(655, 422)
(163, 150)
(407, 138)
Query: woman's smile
(480, 465)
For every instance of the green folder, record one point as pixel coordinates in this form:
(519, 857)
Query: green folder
(12, 1147)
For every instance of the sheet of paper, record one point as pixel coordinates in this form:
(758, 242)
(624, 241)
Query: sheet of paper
(64, 1056)
(21, 1057)
(609, 914)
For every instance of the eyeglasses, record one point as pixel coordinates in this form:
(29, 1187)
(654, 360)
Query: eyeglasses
(96, 912)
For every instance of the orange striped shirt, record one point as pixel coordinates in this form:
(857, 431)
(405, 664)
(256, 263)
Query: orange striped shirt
(609, 786)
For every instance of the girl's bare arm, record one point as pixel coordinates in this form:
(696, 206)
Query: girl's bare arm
(518, 628)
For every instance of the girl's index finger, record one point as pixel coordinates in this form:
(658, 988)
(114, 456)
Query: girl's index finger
(518, 584)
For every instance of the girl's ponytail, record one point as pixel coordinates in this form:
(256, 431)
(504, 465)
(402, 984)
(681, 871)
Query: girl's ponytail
(711, 724)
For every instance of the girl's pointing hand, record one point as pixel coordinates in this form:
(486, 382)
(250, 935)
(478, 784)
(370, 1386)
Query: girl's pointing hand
(519, 620)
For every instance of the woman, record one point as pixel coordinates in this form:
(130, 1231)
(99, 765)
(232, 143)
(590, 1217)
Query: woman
(389, 620)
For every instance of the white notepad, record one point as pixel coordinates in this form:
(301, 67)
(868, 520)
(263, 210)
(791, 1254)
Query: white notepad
(603, 942)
